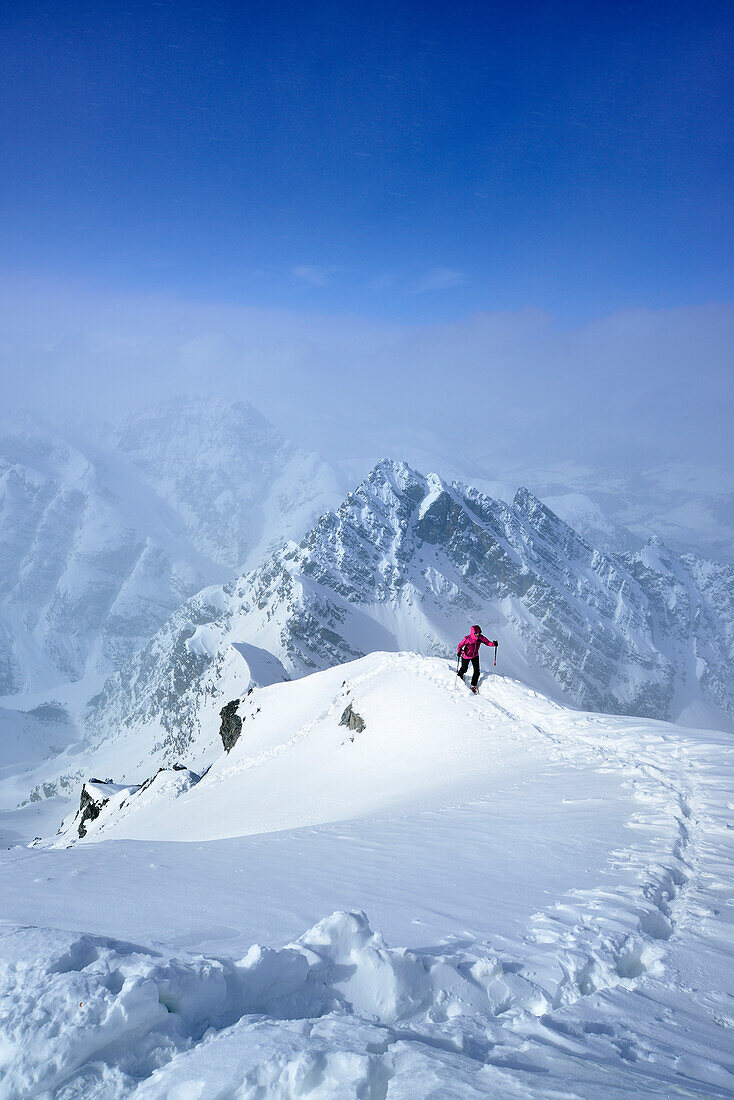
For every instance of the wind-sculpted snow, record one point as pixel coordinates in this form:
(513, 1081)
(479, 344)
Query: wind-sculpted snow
(85, 1012)
(408, 562)
(95, 1013)
(579, 1009)
(560, 882)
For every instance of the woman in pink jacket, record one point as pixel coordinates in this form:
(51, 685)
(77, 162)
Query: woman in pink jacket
(468, 650)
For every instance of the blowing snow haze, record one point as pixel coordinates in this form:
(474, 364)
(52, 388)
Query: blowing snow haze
(337, 329)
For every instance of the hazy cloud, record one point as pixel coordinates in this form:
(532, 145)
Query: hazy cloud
(311, 274)
(494, 388)
(441, 278)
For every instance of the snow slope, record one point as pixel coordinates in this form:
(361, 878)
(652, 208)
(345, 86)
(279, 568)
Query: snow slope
(408, 562)
(560, 883)
(29, 741)
(402, 759)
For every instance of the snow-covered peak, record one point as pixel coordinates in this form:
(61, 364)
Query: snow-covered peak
(238, 485)
(394, 473)
(656, 555)
(219, 426)
(31, 447)
(545, 521)
(407, 563)
(103, 536)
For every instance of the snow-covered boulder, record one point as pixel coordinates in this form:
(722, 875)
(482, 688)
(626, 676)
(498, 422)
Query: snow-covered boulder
(103, 804)
(96, 795)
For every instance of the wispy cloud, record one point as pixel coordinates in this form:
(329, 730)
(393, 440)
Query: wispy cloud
(518, 384)
(311, 274)
(389, 280)
(441, 278)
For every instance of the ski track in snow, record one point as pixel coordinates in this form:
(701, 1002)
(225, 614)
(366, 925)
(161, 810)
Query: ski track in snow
(340, 1014)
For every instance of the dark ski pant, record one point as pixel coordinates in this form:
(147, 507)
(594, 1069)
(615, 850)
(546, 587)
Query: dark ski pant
(475, 666)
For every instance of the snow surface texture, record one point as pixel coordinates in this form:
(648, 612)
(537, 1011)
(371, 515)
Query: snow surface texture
(562, 880)
(408, 562)
(100, 540)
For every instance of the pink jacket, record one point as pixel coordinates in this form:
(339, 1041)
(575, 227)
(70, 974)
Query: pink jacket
(469, 647)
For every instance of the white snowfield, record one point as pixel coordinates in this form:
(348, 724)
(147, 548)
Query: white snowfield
(468, 897)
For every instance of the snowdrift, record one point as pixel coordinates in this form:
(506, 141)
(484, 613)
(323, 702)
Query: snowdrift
(561, 882)
(135, 1010)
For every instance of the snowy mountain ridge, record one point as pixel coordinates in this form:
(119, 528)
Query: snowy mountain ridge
(407, 562)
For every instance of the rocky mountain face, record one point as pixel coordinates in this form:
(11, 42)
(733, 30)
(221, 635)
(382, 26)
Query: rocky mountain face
(102, 539)
(617, 508)
(409, 562)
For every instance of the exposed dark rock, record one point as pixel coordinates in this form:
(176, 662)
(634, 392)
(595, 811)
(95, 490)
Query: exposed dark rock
(51, 712)
(90, 807)
(65, 783)
(352, 720)
(231, 726)
(97, 793)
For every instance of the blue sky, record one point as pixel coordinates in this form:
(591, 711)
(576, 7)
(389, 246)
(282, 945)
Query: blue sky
(443, 221)
(404, 161)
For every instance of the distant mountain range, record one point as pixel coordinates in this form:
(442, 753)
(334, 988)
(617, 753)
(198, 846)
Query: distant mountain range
(102, 538)
(117, 612)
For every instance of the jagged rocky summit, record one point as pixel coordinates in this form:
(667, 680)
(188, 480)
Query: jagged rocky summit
(407, 562)
(354, 722)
